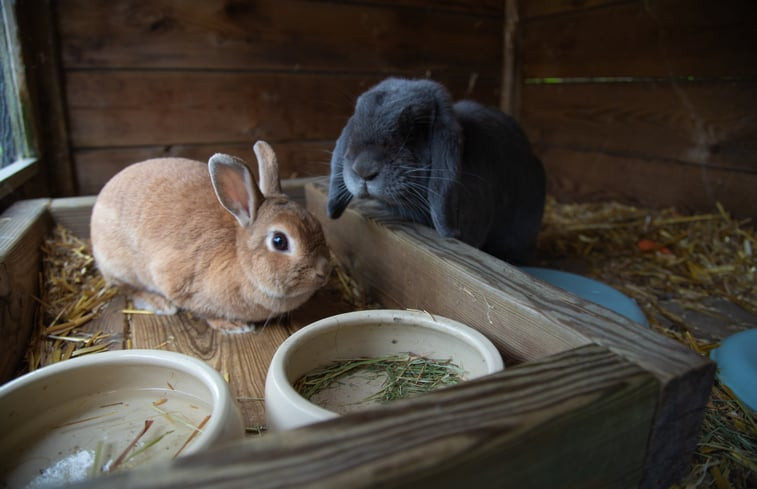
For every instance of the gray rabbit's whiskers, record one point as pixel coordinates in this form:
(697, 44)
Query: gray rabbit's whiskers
(466, 169)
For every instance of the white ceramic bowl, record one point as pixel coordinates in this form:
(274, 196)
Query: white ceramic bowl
(372, 333)
(67, 421)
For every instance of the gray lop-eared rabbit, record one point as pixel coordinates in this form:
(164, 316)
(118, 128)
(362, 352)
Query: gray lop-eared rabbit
(463, 168)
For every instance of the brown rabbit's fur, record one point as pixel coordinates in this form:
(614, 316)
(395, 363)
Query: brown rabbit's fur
(161, 235)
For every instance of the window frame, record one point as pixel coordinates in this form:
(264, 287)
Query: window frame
(26, 163)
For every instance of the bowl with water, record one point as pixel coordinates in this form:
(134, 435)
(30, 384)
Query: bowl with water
(111, 411)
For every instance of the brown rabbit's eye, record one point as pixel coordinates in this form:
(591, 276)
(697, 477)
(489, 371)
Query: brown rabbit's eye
(279, 241)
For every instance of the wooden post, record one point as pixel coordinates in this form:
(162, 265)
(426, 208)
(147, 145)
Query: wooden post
(22, 229)
(511, 62)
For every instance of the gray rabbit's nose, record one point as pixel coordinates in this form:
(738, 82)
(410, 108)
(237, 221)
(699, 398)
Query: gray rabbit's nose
(366, 167)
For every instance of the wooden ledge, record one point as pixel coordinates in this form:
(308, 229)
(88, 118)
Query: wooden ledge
(589, 398)
(408, 265)
(579, 418)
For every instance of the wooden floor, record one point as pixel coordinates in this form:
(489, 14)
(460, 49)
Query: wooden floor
(241, 357)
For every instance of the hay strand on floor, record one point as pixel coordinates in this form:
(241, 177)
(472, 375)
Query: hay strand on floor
(72, 292)
(662, 258)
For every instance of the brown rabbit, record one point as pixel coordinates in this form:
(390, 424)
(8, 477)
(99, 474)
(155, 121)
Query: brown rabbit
(160, 235)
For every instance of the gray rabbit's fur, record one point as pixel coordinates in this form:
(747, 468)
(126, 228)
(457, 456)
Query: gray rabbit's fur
(463, 168)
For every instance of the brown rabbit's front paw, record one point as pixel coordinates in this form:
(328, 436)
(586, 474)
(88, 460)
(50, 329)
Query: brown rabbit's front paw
(228, 326)
(153, 302)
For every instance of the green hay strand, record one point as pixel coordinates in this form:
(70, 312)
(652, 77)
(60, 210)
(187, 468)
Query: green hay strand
(406, 375)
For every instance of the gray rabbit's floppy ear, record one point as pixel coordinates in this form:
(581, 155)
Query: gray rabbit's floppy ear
(446, 166)
(339, 195)
(268, 168)
(234, 187)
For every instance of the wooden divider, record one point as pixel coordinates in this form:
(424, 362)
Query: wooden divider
(588, 398)
(576, 419)
(527, 319)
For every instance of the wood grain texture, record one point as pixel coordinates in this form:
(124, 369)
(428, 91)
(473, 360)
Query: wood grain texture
(48, 112)
(512, 79)
(475, 7)
(578, 419)
(525, 318)
(289, 35)
(179, 77)
(23, 227)
(241, 357)
(585, 176)
(166, 108)
(660, 38)
(538, 8)
(111, 321)
(680, 124)
(73, 213)
(297, 159)
(708, 124)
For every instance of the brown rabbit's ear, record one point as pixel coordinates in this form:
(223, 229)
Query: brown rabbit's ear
(268, 168)
(234, 187)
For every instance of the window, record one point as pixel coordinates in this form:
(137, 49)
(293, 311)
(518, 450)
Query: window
(17, 152)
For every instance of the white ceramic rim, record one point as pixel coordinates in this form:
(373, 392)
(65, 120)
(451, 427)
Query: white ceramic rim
(454, 328)
(220, 403)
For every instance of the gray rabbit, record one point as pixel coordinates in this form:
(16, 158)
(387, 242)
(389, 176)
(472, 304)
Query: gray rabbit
(465, 169)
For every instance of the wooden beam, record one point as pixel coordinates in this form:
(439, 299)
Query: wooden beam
(676, 39)
(274, 36)
(592, 176)
(73, 213)
(138, 108)
(577, 419)
(22, 230)
(511, 74)
(297, 159)
(408, 265)
(709, 125)
(41, 54)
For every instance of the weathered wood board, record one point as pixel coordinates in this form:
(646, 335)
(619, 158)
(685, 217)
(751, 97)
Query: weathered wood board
(661, 92)
(691, 123)
(272, 35)
(525, 318)
(656, 38)
(576, 419)
(194, 77)
(241, 357)
(22, 230)
(588, 399)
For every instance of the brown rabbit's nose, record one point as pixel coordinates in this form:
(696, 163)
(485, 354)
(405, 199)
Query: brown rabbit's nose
(366, 166)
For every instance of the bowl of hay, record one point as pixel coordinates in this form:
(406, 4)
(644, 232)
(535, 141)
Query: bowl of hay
(363, 359)
(111, 411)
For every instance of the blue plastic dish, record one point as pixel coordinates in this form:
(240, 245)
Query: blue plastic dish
(591, 290)
(736, 358)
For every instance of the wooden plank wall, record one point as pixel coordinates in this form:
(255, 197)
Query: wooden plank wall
(649, 102)
(192, 77)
